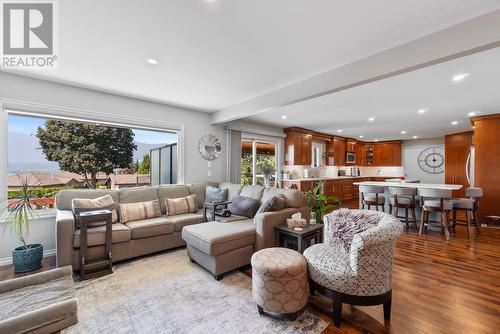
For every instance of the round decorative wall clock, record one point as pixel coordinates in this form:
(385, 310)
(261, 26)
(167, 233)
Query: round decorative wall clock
(431, 160)
(210, 147)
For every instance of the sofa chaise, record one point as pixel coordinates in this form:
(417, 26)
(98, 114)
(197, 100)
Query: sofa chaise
(218, 246)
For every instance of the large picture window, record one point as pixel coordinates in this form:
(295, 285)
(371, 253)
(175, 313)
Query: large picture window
(52, 154)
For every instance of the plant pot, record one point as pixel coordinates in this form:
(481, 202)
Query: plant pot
(27, 259)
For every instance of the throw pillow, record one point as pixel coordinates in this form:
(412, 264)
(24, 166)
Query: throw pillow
(138, 211)
(341, 226)
(244, 206)
(215, 194)
(100, 203)
(176, 206)
(275, 203)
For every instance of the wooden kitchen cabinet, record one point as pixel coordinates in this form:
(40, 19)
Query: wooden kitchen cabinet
(487, 160)
(340, 146)
(333, 188)
(360, 154)
(369, 150)
(456, 150)
(303, 186)
(335, 150)
(298, 148)
(351, 145)
(387, 154)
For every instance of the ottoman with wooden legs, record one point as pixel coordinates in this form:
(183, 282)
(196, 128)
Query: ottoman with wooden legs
(279, 281)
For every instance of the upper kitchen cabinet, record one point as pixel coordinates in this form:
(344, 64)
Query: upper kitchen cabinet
(351, 145)
(387, 154)
(298, 147)
(339, 149)
(369, 155)
(360, 151)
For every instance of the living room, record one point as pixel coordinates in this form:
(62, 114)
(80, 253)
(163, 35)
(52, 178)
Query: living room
(223, 166)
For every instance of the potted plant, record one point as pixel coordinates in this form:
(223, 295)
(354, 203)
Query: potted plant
(268, 171)
(319, 203)
(19, 211)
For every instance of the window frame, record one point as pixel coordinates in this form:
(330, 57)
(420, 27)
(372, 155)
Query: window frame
(278, 142)
(34, 110)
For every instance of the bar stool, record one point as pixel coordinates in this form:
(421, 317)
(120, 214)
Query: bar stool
(437, 201)
(403, 198)
(470, 205)
(370, 195)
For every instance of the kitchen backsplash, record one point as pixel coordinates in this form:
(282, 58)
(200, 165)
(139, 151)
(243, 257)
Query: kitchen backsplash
(297, 172)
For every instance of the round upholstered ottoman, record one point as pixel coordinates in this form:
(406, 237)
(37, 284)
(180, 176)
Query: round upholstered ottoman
(279, 281)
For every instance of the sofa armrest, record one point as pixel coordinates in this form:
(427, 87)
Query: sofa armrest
(65, 228)
(265, 223)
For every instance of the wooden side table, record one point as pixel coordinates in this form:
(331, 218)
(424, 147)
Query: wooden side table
(298, 240)
(102, 266)
(212, 207)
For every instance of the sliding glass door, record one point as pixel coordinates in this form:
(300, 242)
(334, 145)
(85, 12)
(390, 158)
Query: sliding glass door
(258, 162)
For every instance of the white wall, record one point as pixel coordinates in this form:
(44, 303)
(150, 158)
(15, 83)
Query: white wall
(410, 151)
(34, 93)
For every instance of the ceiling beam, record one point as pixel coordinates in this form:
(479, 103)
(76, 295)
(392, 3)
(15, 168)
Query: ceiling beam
(476, 35)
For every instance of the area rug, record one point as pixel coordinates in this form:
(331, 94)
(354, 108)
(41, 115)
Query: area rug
(166, 293)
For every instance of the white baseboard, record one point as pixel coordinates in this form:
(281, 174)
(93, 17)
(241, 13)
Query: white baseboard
(8, 260)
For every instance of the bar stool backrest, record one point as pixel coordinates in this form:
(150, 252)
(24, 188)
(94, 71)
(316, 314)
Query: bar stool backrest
(405, 192)
(371, 189)
(474, 192)
(434, 193)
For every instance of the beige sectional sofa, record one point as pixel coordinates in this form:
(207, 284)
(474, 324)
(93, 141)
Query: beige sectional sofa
(217, 246)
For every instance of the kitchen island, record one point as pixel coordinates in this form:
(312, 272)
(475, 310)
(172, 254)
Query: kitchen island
(405, 184)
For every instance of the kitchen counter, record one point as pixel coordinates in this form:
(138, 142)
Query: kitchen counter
(410, 185)
(335, 178)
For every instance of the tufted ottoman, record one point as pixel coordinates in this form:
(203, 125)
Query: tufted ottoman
(279, 281)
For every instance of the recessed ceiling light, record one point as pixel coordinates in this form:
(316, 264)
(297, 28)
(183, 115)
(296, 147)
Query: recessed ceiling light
(339, 131)
(460, 77)
(454, 123)
(371, 119)
(283, 117)
(422, 111)
(361, 136)
(472, 113)
(152, 61)
(415, 137)
(403, 132)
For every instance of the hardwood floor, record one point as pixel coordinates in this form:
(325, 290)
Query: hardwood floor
(438, 287)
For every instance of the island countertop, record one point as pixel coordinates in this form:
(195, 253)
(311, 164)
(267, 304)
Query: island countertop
(410, 185)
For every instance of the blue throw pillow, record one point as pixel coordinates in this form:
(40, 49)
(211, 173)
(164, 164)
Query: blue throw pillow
(244, 206)
(213, 194)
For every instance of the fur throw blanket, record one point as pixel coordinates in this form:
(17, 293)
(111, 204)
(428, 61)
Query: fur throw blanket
(341, 226)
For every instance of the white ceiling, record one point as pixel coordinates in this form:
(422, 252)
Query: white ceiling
(394, 102)
(214, 54)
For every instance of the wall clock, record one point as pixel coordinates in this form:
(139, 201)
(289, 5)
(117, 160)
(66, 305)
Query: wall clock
(431, 160)
(210, 147)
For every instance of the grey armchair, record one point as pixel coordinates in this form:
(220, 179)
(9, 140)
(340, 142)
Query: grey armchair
(360, 276)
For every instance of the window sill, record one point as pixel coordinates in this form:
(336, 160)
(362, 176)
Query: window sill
(42, 214)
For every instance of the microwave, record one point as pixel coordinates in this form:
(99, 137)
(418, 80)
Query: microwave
(350, 157)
